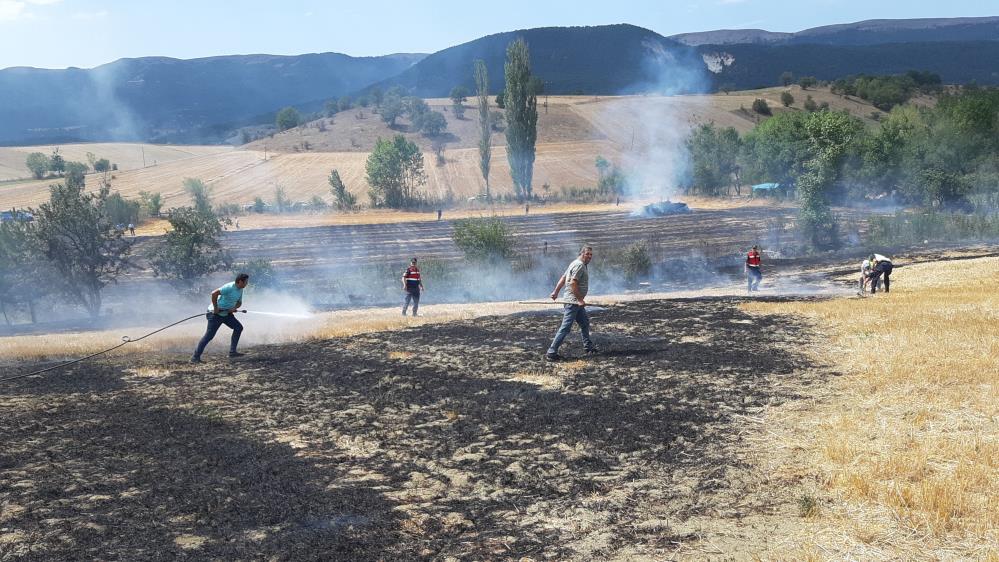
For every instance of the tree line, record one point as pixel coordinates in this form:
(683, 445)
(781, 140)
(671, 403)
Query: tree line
(945, 155)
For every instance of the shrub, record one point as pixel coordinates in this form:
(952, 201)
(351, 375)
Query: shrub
(261, 272)
(483, 238)
(635, 261)
(760, 106)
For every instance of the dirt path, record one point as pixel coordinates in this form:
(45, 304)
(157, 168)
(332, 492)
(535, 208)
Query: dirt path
(423, 443)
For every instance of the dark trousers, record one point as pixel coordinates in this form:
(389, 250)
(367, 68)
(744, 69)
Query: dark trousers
(215, 321)
(413, 296)
(882, 270)
(753, 278)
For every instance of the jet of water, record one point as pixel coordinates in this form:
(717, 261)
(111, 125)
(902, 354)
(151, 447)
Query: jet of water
(282, 315)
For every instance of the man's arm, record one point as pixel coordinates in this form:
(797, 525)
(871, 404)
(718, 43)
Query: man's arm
(215, 300)
(558, 287)
(238, 304)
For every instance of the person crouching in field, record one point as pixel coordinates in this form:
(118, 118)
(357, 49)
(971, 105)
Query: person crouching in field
(753, 273)
(882, 269)
(412, 283)
(575, 280)
(226, 300)
(866, 269)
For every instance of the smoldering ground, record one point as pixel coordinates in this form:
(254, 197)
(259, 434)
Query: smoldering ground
(446, 440)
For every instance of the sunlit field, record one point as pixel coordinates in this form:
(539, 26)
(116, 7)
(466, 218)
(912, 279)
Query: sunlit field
(903, 449)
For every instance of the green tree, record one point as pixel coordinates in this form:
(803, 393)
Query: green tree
(481, 75)
(760, 106)
(810, 104)
(344, 103)
(394, 172)
(258, 204)
(201, 194)
(191, 250)
(57, 163)
(281, 201)
(807, 82)
(81, 243)
(287, 118)
(714, 159)
(24, 273)
(102, 165)
(343, 199)
(830, 136)
(521, 103)
(152, 203)
(391, 108)
(499, 100)
(121, 210)
(331, 107)
(786, 78)
(38, 164)
(458, 96)
(483, 239)
(430, 123)
(786, 99)
(76, 174)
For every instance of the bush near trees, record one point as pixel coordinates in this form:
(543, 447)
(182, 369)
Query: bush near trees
(786, 78)
(201, 194)
(431, 123)
(810, 104)
(392, 107)
(885, 92)
(287, 118)
(458, 96)
(807, 82)
(483, 239)
(38, 164)
(760, 106)
(152, 203)
(786, 99)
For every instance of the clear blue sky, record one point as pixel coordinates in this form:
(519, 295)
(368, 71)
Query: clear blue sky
(87, 33)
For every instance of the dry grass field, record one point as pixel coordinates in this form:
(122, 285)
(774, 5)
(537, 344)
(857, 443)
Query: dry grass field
(640, 132)
(902, 450)
(128, 156)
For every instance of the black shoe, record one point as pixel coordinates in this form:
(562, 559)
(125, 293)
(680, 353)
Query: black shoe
(236, 354)
(553, 357)
(593, 351)
(196, 360)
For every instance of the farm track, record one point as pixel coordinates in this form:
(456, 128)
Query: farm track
(423, 443)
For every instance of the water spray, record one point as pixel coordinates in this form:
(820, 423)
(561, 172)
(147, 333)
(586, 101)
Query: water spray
(278, 314)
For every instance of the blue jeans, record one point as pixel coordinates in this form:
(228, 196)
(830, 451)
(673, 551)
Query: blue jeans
(753, 278)
(573, 314)
(215, 321)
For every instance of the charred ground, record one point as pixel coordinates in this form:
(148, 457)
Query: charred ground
(444, 440)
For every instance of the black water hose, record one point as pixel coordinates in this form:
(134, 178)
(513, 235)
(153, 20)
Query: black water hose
(125, 340)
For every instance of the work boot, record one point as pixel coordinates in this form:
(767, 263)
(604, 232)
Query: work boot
(236, 354)
(553, 357)
(593, 351)
(196, 360)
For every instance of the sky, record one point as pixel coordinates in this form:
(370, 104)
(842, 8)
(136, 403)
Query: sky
(88, 33)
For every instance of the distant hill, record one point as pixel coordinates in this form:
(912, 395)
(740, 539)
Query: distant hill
(152, 97)
(607, 59)
(869, 32)
(753, 66)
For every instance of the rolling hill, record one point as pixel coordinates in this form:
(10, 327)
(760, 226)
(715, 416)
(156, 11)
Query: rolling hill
(158, 97)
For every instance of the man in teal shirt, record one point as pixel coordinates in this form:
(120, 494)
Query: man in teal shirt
(225, 301)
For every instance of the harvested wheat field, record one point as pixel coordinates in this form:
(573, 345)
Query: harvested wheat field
(777, 427)
(127, 156)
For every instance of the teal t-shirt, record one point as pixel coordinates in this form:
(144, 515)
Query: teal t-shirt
(229, 295)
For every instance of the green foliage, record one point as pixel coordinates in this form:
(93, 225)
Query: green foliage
(259, 205)
(344, 103)
(122, 211)
(499, 100)
(483, 239)
(760, 106)
(57, 163)
(458, 96)
(191, 250)
(281, 201)
(786, 78)
(807, 82)
(394, 172)
(261, 273)
(521, 103)
(317, 203)
(610, 178)
(38, 164)
(391, 108)
(76, 174)
(152, 203)
(714, 157)
(23, 269)
(81, 244)
(287, 118)
(885, 92)
(343, 199)
(201, 194)
(810, 104)
(481, 76)
(430, 123)
(904, 228)
(786, 99)
(635, 261)
(331, 107)
(102, 165)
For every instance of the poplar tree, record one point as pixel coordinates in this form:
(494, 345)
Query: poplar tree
(521, 101)
(485, 127)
